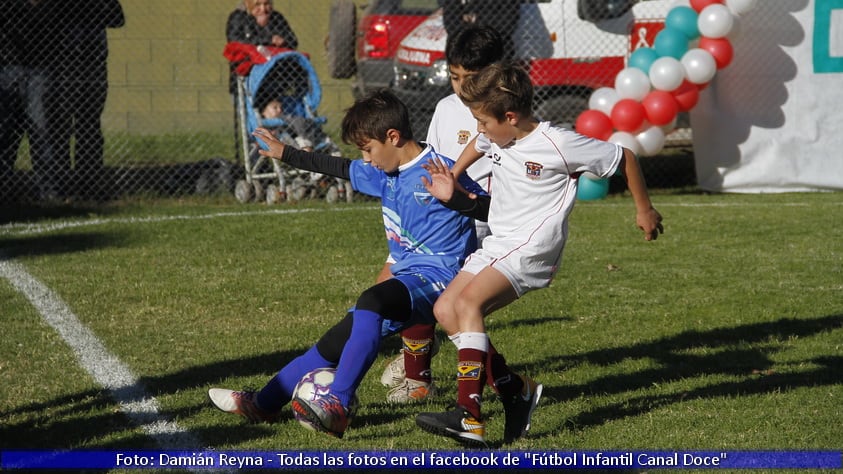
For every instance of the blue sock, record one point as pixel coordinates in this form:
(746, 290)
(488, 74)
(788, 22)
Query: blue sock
(279, 390)
(358, 355)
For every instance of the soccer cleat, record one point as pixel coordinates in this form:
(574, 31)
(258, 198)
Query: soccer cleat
(458, 424)
(519, 410)
(325, 413)
(410, 391)
(241, 403)
(394, 374)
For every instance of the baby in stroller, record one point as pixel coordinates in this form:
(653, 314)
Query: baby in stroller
(281, 93)
(303, 130)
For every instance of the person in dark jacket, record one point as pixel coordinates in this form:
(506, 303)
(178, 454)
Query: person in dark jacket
(502, 15)
(257, 23)
(82, 88)
(30, 33)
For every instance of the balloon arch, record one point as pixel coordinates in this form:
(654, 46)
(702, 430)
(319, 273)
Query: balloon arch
(662, 81)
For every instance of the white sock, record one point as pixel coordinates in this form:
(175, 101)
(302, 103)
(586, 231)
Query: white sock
(474, 340)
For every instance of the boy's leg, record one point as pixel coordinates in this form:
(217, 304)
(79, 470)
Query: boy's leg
(409, 375)
(266, 404)
(331, 412)
(487, 291)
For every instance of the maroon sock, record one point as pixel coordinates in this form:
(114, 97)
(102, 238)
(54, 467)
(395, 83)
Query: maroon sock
(499, 376)
(418, 344)
(471, 378)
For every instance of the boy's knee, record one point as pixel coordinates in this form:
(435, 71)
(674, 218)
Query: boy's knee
(463, 306)
(443, 311)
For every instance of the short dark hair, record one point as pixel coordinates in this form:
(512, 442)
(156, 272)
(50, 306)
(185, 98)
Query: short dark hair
(474, 47)
(372, 116)
(499, 88)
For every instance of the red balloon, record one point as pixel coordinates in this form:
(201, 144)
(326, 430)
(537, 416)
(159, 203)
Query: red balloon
(628, 115)
(594, 123)
(687, 96)
(660, 107)
(699, 5)
(720, 48)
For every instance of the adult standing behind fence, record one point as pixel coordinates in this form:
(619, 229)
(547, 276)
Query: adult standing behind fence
(82, 88)
(502, 15)
(257, 23)
(30, 39)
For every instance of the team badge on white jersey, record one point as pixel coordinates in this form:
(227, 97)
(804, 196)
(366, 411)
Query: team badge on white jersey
(463, 136)
(534, 170)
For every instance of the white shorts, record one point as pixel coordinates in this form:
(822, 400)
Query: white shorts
(529, 264)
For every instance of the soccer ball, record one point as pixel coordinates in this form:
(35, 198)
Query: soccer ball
(315, 384)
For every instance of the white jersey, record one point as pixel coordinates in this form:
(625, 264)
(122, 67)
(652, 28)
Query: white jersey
(451, 129)
(535, 187)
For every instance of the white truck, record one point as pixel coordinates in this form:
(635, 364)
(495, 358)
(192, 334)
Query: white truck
(570, 48)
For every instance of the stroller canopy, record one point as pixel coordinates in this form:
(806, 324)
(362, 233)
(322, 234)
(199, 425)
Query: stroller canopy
(287, 75)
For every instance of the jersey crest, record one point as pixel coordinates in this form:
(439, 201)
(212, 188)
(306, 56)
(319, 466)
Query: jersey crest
(423, 199)
(533, 169)
(463, 136)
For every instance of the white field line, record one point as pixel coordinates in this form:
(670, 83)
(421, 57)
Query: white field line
(105, 368)
(42, 228)
(21, 228)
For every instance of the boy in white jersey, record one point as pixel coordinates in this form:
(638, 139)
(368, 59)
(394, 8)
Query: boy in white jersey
(535, 167)
(452, 127)
(427, 241)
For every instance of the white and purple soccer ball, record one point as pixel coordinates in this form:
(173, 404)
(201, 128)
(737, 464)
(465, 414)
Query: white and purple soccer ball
(315, 384)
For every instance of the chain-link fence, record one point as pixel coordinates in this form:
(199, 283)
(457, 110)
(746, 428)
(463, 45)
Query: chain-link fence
(105, 98)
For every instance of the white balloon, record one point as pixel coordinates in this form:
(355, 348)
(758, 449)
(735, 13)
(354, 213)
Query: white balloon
(603, 99)
(626, 140)
(739, 7)
(666, 73)
(651, 140)
(715, 21)
(699, 65)
(632, 83)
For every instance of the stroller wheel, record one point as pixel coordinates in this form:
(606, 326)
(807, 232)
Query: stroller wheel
(274, 195)
(332, 194)
(260, 194)
(349, 191)
(296, 192)
(243, 191)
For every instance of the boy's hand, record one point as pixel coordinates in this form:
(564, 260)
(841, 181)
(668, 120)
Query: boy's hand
(441, 183)
(650, 221)
(274, 146)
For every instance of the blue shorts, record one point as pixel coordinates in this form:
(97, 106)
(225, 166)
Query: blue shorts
(424, 291)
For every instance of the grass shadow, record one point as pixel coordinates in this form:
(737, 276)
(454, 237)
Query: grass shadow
(676, 361)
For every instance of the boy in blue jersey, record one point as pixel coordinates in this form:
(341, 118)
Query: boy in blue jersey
(428, 242)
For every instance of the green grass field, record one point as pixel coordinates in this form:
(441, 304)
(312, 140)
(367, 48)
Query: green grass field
(725, 334)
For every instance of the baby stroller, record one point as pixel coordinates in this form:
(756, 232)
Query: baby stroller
(287, 78)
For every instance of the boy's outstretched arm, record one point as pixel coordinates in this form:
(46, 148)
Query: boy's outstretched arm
(444, 186)
(647, 217)
(306, 160)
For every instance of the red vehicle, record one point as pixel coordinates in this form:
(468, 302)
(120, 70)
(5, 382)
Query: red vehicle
(367, 49)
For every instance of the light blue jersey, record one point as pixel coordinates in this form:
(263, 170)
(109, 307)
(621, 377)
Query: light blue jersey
(420, 231)
(427, 241)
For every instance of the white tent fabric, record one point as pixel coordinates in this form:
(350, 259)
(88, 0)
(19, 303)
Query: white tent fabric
(772, 120)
